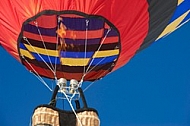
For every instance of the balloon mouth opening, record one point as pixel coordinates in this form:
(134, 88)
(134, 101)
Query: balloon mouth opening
(69, 44)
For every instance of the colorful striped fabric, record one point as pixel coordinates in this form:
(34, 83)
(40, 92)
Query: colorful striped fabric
(69, 43)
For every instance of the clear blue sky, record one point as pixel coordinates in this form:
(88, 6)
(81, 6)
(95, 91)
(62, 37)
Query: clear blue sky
(153, 89)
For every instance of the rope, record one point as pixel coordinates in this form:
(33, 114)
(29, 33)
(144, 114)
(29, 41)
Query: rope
(69, 101)
(98, 49)
(87, 70)
(86, 41)
(37, 75)
(38, 54)
(57, 39)
(36, 23)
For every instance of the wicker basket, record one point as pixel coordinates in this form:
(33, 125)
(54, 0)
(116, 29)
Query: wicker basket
(46, 115)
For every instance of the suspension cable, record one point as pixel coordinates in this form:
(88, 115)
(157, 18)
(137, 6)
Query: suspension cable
(36, 23)
(38, 54)
(37, 75)
(98, 49)
(69, 101)
(57, 42)
(87, 70)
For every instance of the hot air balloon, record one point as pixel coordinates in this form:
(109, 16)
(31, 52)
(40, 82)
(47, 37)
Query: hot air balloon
(81, 41)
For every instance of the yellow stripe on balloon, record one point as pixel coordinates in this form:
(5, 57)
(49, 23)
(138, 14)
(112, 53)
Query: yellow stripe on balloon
(107, 53)
(173, 25)
(180, 1)
(42, 51)
(26, 54)
(75, 61)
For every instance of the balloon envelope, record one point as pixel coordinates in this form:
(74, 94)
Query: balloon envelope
(84, 39)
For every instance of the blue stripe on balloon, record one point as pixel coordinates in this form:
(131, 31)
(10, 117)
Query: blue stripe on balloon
(22, 46)
(76, 54)
(103, 60)
(47, 59)
(180, 10)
